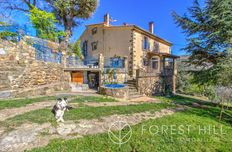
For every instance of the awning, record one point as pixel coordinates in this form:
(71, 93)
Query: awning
(167, 55)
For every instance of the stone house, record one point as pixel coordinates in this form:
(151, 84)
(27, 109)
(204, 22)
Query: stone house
(125, 54)
(148, 60)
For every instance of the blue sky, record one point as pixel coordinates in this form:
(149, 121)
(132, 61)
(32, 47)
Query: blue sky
(140, 12)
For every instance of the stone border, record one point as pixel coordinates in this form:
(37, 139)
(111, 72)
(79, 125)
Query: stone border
(122, 93)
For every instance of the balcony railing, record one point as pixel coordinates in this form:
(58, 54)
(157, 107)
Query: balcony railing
(76, 62)
(149, 72)
(109, 63)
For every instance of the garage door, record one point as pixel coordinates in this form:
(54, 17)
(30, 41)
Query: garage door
(78, 77)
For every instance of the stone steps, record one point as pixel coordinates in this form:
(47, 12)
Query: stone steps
(133, 91)
(131, 82)
(135, 96)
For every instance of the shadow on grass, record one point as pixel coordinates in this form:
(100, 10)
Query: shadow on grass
(205, 109)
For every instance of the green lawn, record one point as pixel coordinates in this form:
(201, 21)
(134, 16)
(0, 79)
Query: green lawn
(94, 99)
(182, 139)
(84, 112)
(15, 103)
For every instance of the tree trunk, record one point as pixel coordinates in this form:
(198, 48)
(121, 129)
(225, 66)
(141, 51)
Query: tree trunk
(66, 39)
(68, 29)
(222, 110)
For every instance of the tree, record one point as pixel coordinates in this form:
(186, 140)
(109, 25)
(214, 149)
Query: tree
(44, 24)
(8, 35)
(209, 36)
(75, 48)
(69, 11)
(9, 6)
(224, 74)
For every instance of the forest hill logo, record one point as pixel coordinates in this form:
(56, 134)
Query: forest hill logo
(120, 132)
(183, 129)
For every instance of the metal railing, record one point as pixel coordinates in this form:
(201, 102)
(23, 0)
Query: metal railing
(42, 50)
(76, 62)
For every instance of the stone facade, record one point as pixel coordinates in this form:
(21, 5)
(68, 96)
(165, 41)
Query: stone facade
(22, 75)
(143, 50)
(123, 41)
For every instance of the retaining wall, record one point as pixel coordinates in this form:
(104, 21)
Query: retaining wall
(22, 75)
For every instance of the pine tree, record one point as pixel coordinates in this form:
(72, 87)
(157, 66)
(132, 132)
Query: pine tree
(209, 36)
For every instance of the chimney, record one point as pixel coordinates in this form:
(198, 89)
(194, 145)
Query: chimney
(107, 19)
(125, 24)
(151, 27)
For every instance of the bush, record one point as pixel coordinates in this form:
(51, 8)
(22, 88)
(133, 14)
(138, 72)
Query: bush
(223, 95)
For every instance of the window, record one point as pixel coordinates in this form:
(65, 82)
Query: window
(156, 47)
(145, 62)
(168, 62)
(146, 44)
(85, 48)
(155, 63)
(94, 30)
(117, 62)
(94, 45)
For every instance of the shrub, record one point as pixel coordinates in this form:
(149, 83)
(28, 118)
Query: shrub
(223, 96)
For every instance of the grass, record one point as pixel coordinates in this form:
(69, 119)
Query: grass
(93, 99)
(144, 140)
(183, 100)
(210, 109)
(16, 103)
(186, 136)
(85, 112)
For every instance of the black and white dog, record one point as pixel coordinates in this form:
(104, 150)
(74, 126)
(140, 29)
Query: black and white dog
(59, 109)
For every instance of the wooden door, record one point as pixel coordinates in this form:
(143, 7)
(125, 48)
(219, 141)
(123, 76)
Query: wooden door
(78, 77)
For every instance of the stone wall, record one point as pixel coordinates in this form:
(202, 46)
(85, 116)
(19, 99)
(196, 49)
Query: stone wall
(22, 75)
(115, 92)
(153, 83)
(149, 85)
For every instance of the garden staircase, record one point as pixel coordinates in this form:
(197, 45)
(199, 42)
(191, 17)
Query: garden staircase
(133, 91)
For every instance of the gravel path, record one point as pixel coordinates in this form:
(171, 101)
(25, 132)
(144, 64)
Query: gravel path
(9, 113)
(29, 136)
(120, 103)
